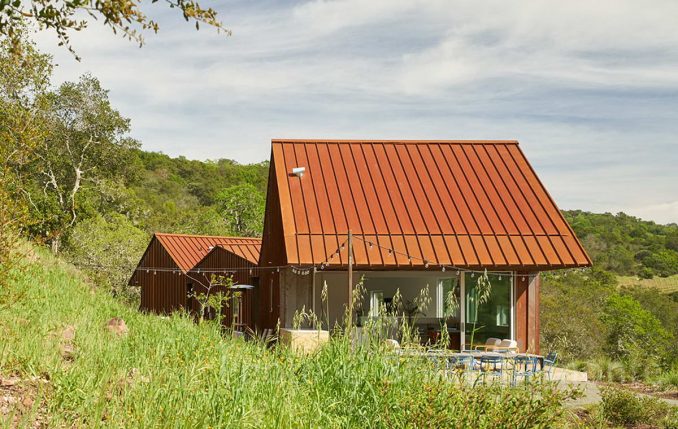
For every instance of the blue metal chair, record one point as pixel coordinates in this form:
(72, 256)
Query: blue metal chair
(525, 367)
(549, 363)
(492, 366)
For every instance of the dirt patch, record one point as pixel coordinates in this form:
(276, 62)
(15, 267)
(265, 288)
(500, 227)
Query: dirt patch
(21, 401)
(651, 390)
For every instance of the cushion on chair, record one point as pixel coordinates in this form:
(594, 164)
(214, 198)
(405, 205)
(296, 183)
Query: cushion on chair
(509, 344)
(493, 342)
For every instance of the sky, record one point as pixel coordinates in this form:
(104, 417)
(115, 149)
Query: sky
(590, 89)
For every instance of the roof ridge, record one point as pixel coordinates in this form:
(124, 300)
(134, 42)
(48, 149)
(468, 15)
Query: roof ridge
(171, 234)
(402, 141)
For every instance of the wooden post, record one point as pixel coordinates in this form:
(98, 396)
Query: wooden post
(350, 279)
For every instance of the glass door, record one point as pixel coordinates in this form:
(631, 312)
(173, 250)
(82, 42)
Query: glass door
(490, 317)
(448, 310)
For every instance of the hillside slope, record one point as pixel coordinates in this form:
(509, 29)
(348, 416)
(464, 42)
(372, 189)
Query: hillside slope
(61, 367)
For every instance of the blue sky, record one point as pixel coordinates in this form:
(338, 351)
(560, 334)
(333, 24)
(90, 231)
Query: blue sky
(589, 88)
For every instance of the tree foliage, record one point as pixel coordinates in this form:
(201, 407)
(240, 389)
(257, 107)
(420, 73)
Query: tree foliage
(243, 209)
(126, 17)
(85, 142)
(108, 248)
(569, 309)
(635, 335)
(627, 245)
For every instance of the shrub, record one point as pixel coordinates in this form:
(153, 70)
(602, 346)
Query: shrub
(107, 249)
(667, 380)
(621, 407)
(606, 369)
(570, 312)
(635, 336)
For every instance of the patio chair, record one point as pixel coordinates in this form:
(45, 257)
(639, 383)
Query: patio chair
(489, 345)
(525, 367)
(460, 366)
(492, 366)
(549, 363)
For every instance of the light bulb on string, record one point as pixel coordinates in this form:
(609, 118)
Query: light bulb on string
(426, 265)
(443, 269)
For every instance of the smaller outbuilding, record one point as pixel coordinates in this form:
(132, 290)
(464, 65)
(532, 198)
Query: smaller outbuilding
(237, 259)
(175, 266)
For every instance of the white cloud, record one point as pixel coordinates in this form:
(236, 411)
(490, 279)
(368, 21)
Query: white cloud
(590, 88)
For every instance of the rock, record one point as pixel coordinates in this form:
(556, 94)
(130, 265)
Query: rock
(9, 382)
(27, 402)
(117, 326)
(69, 333)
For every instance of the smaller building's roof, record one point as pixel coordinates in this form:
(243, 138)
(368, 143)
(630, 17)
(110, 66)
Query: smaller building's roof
(187, 250)
(248, 251)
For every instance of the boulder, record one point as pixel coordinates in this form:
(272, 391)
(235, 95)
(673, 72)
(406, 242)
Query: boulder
(117, 326)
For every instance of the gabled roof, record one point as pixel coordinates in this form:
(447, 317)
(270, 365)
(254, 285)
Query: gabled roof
(248, 251)
(462, 203)
(188, 250)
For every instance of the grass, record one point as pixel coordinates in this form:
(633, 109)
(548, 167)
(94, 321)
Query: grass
(170, 372)
(667, 285)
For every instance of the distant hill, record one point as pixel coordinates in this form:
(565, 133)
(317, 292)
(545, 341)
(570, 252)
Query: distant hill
(626, 245)
(180, 195)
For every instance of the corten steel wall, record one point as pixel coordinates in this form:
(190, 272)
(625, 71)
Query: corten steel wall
(527, 290)
(272, 254)
(244, 272)
(161, 292)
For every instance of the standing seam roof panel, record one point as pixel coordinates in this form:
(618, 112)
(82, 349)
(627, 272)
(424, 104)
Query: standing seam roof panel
(445, 202)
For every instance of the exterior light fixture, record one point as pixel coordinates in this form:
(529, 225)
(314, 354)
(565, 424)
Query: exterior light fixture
(299, 171)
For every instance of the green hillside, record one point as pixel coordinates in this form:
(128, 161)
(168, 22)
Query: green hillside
(61, 367)
(626, 245)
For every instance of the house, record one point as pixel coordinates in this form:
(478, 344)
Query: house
(422, 215)
(168, 270)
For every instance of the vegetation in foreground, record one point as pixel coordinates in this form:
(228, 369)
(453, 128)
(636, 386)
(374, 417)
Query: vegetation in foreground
(171, 372)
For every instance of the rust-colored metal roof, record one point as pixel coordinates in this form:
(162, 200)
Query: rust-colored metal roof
(247, 251)
(188, 250)
(460, 203)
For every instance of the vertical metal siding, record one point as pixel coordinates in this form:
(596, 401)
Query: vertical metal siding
(161, 292)
(244, 272)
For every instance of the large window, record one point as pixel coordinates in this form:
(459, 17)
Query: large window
(376, 300)
(492, 318)
(447, 298)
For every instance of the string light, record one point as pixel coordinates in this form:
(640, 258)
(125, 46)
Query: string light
(426, 265)
(443, 269)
